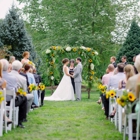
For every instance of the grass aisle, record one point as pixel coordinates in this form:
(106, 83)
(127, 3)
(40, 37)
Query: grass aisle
(70, 120)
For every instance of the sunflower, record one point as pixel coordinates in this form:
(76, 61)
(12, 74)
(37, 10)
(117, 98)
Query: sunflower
(112, 93)
(51, 62)
(74, 49)
(92, 72)
(52, 55)
(131, 97)
(53, 47)
(90, 60)
(88, 49)
(123, 102)
(51, 72)
(91, 77)
(42, 87)
(30, 88)
(92, 53)
(107, 94)
(24, 93)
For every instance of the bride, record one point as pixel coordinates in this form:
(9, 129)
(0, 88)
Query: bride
(64, 90)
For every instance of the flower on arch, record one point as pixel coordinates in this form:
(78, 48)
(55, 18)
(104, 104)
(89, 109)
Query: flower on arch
(52, 78)
(74, 49)
(54, 47)
(91, 77)
(90, 60)
(48, 51)
(92, 72)
(68, 49)
(96, 52)
(92, 66)
(88, 49)
(51, 62)
(51, 73)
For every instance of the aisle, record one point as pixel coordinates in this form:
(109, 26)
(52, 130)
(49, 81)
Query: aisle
(67, 121)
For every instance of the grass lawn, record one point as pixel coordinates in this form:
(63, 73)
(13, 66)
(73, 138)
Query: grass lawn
(67, 120)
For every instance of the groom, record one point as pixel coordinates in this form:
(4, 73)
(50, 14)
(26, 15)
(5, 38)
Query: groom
(78, 78)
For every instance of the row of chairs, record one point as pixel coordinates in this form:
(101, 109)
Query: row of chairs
(8, 111)
(127, 119)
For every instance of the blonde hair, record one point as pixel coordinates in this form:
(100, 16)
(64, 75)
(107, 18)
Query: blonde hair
(129, 71)
(1, 68)
(25, 53)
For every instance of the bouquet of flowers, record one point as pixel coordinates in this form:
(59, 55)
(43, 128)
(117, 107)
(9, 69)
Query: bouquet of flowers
(20, 91)
(31, 63)
(41, 86)
(126, 98)
(102, 88)
(1, 97)
(32, 87)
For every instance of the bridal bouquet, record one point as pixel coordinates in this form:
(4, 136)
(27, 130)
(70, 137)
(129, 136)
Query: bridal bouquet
(41, 86)
(20, 91)
(1, 97)
(126, 98)
(31, 63)
(32, 87)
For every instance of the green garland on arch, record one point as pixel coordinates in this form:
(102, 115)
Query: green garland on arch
(89, 57)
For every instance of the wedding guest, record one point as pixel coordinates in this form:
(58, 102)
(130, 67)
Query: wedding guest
(38, 80)
(12, 84)
(114, 83)
(2, 86)
(25, 59)
(31, 80)
(21, 82)
(124, 60)
(11, 60)
(129, 72)
(113, 61)
(131, 84)
(71, 71)
(134, 58)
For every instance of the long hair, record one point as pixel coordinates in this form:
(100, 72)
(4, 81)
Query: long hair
(1, 68)
(129, 71)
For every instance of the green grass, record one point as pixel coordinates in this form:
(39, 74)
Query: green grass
(67, 120)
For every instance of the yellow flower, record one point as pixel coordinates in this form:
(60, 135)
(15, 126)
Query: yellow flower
(91, 77)
(131, 97)
(51, 72)
(42, 87)
(107, 94)
(112, 93)
(52, 63)
(52, 55)
(90, 60)
(92, 53)
(92, 72)
(74, 49)
(121, 101)
(24, 93)
(53, 47)
(88, 49)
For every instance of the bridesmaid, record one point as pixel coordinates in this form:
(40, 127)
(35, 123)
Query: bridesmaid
(71, 71)
(25, 59)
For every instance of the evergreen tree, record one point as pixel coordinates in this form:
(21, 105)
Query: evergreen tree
(131, 46)
(13, 34)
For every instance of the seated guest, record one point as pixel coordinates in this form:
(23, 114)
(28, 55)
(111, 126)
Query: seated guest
(21, 82)
(124, 60)
(113, 61)
(131, 84)
(39, 80)
(25, 59)
(114, 83)
(11, 60)
(129, 72)
(115, 79)
(12, 84)
(31, 80)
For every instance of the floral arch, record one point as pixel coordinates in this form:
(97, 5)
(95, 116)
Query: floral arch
(89, 61)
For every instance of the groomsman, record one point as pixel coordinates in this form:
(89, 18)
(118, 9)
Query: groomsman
(124, 60)
(78, 78)
(113, 61)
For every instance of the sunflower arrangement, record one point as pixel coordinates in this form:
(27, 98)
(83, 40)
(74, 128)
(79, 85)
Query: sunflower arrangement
(88, 49)
(111, 94)
(126, 98)
(90, 60)
(20, 91)
(32, 87)
(102, 88)
(41, 86)
(1, 97)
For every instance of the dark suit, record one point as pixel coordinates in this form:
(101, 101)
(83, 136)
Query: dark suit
(114, 64)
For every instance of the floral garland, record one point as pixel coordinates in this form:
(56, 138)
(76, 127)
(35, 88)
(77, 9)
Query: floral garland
(87, 54)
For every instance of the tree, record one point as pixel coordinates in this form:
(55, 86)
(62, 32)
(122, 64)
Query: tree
(131, 46)
(13, 34)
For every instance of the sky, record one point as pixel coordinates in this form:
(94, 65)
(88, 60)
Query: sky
(5, 5)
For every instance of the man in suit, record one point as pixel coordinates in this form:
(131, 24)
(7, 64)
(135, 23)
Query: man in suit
(21, 82)
(113, 61)
(124, 60)
(78, 78)
(12, 84)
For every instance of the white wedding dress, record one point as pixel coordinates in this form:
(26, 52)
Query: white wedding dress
(64, 90)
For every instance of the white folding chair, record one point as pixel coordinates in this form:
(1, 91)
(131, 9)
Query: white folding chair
(40, 91)
(3, 114)
(13, 111)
